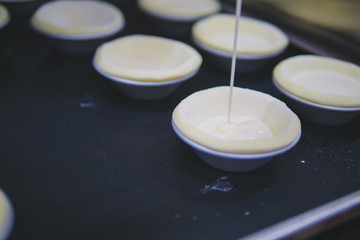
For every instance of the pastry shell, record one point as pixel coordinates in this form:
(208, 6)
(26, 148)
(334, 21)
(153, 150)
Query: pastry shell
(147, 58)
(4, 16)
(180, 10)
(78, 19)
(288, 68)
(256, 37)
(284, 124)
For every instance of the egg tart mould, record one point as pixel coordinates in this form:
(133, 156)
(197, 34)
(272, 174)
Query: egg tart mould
(77, 26)
(175, 17)
(146, 67)
(259, 42)
(239, 155)
(323, 90)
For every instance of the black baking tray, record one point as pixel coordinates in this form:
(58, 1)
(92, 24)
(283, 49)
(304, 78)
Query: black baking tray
(80, 161)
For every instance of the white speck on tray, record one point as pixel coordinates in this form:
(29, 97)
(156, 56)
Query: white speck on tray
(87, 102)
(220, 185)
(88, 105)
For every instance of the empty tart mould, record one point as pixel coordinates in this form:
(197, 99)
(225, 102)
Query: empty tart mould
(78, 26)
(236, 154)
(320, 89)
(146, 67)
(258, 41)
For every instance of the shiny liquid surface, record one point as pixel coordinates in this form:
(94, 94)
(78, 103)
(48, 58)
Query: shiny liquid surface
(240, 128)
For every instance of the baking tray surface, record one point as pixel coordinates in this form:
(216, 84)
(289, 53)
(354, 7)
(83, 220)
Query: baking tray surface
(79, 160)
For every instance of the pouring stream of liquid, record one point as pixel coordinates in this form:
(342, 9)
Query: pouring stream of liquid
(233, 60)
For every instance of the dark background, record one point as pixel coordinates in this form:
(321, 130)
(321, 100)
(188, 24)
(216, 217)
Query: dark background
(80, 161)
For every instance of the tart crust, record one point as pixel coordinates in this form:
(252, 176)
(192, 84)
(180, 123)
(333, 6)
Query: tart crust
(87, 17)
(191, 9)
(147, 58)
(285, 70)
(4, 15)
(201, 105)
(217, 31)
